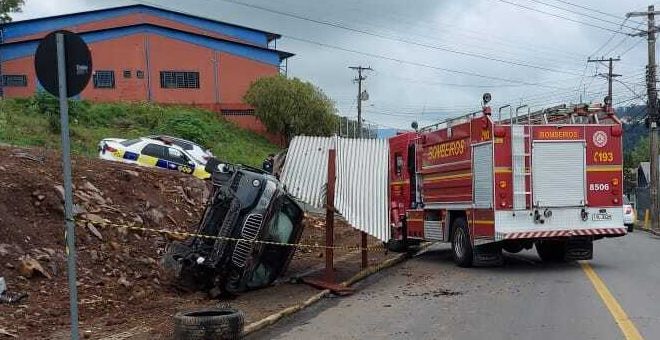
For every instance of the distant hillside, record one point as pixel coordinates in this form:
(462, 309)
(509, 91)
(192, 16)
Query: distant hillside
(35, 122)
(633, 124)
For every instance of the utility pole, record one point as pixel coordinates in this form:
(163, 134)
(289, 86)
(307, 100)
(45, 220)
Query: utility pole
(652, 109)
(610, 75)
(360, 96)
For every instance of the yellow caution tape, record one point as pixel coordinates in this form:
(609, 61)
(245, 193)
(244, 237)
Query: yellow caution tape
(230, 239)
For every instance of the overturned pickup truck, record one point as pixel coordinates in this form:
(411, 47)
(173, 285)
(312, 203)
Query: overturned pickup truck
(245, 204)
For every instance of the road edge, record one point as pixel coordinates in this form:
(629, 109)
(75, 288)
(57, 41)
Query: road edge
(648, 230)
(363, 274)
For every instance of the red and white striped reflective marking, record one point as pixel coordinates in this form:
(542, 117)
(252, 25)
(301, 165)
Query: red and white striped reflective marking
(564, 233)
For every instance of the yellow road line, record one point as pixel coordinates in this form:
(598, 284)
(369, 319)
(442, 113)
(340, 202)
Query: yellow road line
(622, 320)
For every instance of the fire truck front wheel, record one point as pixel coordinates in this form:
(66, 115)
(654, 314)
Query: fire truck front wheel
(461, 245)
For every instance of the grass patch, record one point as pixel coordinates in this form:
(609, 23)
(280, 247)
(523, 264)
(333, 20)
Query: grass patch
(35, 122)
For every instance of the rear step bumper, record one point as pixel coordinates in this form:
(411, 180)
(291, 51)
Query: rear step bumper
(606, 232)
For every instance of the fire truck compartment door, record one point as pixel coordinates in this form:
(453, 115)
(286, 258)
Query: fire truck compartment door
(558, 173)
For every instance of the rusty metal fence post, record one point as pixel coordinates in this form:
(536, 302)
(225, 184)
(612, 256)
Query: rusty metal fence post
(365, 254)
(330, 218)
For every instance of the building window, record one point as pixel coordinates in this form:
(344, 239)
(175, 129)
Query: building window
(14, 80)
(139, 74)
(179, 80)
(104, 79)
(127, 73)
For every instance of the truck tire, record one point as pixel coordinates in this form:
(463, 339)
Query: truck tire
(207, 324)
(461, 245)
(397, 246)
(551, 250)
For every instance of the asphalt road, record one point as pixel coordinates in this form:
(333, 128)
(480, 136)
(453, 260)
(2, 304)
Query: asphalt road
(429, 297)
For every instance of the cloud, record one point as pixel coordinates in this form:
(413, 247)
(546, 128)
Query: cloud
(401, 92)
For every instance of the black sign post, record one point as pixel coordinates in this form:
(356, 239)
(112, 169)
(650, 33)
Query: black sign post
(63, 65)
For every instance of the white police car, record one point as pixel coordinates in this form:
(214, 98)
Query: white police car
(150, 152)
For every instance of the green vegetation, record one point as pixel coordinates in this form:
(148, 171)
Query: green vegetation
(7, 7)
(35, 122)
(292, 107)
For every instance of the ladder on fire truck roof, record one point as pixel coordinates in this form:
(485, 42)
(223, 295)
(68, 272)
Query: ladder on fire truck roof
(560, 114)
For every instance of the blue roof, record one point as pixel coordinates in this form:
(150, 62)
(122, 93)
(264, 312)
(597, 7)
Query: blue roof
(21, 49)
(23, 28)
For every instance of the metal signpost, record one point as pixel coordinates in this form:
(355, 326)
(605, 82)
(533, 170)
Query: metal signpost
(63, 64)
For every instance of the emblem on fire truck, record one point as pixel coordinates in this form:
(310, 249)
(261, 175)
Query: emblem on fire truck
(600, 139)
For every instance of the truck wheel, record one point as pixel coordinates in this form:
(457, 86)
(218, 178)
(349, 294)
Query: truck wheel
(215, 323)
(551, 251)
(396, 246)
(461, 245)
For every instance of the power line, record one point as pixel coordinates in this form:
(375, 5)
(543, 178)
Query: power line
(407, 41)
(412, 63)
(630, 48)
(560, 16)
(593, 10)
(583, 14)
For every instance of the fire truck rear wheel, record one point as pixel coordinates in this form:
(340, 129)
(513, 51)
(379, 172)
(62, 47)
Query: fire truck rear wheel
(551, 250)
(461, 245)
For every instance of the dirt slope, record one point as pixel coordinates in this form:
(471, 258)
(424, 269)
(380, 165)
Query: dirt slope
(118, 282)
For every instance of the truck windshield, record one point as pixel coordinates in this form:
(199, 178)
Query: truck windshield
(280, 229)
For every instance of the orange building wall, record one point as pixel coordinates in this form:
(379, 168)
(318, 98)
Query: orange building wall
(126, 53)
(236, 75)
(169, 54)
(20, 66)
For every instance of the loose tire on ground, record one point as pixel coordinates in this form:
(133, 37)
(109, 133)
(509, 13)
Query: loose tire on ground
(207, 324)
(461, 245)
(551, 250)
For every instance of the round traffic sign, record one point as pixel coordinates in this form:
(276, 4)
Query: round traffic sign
(78, 63)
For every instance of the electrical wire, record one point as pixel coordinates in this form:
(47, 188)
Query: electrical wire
(560, 16)
(583, 14)
(397, 39)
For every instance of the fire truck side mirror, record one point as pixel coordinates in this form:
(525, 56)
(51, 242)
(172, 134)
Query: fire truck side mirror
(414, 125)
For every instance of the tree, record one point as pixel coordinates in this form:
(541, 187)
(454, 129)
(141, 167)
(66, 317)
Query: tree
(291, 107)
(7, 7)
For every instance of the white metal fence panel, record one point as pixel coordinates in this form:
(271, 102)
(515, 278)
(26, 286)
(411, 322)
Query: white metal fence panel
(483, 175)
(361, 194)
(558, 173)
(305, 172)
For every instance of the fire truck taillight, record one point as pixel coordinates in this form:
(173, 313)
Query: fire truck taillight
(615, 181)
(503, 204)
(615, 201)
(502, 184)
(617, 131)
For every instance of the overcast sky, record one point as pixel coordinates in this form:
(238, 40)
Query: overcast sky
(408, 45)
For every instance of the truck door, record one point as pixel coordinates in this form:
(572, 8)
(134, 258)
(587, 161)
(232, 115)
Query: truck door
(558, 173)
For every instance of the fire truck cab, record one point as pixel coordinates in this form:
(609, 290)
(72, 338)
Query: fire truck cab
(550, 179)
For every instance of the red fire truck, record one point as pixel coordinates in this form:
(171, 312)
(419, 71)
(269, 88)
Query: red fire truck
(550, 179)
